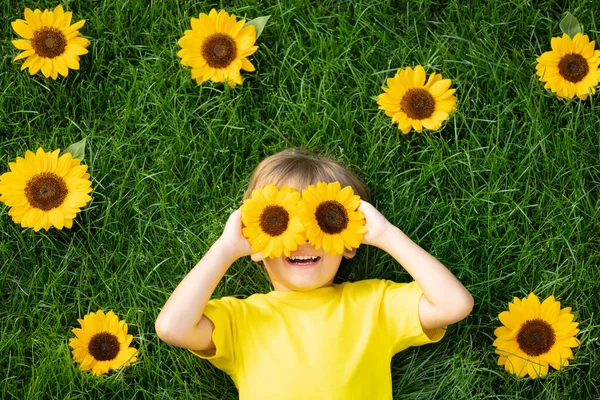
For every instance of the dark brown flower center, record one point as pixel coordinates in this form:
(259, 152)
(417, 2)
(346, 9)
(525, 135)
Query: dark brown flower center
(104, 346)
(536, 337)
(573, 67)
(274, 220)
(46, 191)
(49, 42)
(417, 103)
(331, 217)
(219, 50)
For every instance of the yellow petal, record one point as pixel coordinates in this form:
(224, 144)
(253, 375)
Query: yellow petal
(46, 67)
(56, 218)
(419, 76)
(33, 19)
(579, 43)
(59, 15)
(76, 26)
(66, 20)
(24, 54)
(61, 66)
(22, 29)
(75, 50)
(417, 125)
(71, 60)
(247, 65)
(35, 65)
(22, 44)
(440, 87)
(237, 27)
(510, 320)
(51, 18)
(45, 21)
(101, 367)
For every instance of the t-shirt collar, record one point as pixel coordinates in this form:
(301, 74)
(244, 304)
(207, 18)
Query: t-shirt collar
(297, 295)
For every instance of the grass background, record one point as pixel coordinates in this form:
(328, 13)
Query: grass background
(506, 194)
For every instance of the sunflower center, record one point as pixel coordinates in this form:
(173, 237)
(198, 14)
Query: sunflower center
(573, 67)
(536, 337)
(104, 346)
(331, 217)
(274, 220)
(46, 191)
(48, 42)
(417, 103)
(219, 50)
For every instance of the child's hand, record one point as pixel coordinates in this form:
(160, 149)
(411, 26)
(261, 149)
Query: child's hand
(237, 245)
(377, 225)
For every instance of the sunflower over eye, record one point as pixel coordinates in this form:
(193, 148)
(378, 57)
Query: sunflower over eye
(331, 217)
(534, 336)
(50, 43)
(217, 47)
(271, 223)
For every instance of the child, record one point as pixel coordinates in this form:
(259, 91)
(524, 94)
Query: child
(308, 338)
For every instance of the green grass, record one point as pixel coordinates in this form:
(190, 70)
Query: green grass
(506, 194)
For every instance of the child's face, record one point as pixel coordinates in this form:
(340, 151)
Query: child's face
(306, 268)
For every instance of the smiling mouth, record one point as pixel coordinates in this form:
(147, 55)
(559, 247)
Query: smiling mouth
(303, 260)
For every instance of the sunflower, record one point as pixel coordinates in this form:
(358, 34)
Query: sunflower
(271, 222)
(331, 217)
(217, 46)
(571, 68)
(412, 103)
(45, 190)
(102, 343)
(535, 336)
(50, 43)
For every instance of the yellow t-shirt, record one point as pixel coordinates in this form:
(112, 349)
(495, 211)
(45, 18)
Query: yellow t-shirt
(330, 343)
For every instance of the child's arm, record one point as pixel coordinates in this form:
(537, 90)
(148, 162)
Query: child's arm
(181, 322)
(445, 300)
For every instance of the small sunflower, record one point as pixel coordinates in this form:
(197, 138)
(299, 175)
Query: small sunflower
(271, 223)
(45, 190)
(102, 343)
(571, 68)
(217, 47)
(50, 43)
(331, 217)
(535, 336)
(412, 103)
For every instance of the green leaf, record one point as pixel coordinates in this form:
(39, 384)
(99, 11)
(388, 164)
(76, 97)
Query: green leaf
(259, 23)
(570, 25)
(77, 150)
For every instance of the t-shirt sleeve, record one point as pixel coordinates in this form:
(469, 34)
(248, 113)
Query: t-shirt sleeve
(220, 312)
(400, 316)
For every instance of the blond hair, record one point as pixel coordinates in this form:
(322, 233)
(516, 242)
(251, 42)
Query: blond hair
(299, 168)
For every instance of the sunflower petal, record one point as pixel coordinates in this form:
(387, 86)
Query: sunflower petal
(22, 29)
(33, 19)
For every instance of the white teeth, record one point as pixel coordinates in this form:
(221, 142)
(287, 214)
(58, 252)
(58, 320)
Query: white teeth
(312, 258)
